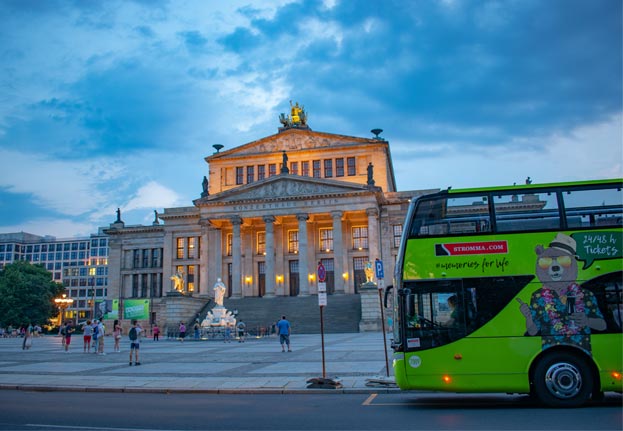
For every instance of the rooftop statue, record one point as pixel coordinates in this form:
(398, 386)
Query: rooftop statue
(297, 117)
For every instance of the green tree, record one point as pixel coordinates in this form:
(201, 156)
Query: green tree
(27, 294)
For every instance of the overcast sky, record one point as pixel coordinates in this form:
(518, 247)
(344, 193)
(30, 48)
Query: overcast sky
(107, 104)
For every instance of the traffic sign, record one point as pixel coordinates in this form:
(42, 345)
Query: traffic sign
(322, 286)
(378, 266)
(322, 299)
(322, 272)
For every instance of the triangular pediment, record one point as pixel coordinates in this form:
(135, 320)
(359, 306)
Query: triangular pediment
(292, 140)
(285, 186)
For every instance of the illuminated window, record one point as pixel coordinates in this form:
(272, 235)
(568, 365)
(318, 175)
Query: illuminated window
(293, 241)
(360, 237)
(190, 278)
(326, 239)
(192, 247)
(180, 248)
(228, 245)
(261, 243)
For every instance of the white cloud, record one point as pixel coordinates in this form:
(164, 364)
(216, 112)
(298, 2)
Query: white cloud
(151, 196)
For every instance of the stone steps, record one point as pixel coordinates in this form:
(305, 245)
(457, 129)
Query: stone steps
(341, 315)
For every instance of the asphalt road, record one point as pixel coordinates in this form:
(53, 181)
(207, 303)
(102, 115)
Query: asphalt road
(24, 410)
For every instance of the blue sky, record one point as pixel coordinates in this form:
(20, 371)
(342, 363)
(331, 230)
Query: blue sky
(107, 104)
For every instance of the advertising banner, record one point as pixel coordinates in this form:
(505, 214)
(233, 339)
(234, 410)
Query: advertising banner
(136, 309)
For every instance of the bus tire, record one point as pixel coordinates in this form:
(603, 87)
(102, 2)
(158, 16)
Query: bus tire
(562, 379)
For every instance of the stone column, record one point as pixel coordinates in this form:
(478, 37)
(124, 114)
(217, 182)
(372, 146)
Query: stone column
(338, 251)
(204, 258)
(167, 262)
(215, 259)
(303, 266)
(236, 267)
(270, 256)
(373, 234)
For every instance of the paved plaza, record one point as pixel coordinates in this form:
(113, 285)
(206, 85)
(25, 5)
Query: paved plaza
(258, 365)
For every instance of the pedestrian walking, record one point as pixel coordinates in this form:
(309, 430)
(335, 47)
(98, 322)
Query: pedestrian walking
(196, 329)
(227, 333)
(283, 329)
(69, 329)
(87, 335)
(134, 334)
(156, 332)
(182, 331)
(116, 333)
(240, 327)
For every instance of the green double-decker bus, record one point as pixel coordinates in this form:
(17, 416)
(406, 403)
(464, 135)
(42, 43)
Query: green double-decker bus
(513, 289)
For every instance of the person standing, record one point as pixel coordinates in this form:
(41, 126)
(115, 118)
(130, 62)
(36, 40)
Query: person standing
(69, 329)
(28, 334)
(95, 326)
(156, 332)
(87, 334)
(283, 329)
(241, 327)
(134, 334)
(182, 331)
(101, 330)
(116, 333)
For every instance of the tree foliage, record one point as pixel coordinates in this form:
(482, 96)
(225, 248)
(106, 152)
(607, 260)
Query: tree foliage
(27, 294)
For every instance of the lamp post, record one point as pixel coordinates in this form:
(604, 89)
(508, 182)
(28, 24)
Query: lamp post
(63, 303)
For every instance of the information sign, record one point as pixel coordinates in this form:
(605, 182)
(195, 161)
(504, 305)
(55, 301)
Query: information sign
(378, 266)
(322, 299)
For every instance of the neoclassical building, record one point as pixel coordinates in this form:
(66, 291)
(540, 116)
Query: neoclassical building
(269, 212)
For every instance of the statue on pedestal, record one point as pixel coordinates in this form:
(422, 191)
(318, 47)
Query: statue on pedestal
(369, 272)
(219, 292)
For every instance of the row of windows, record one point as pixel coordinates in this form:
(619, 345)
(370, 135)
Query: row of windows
(85, 282)
(44, 248)
(146, 285)
(147, 258)
(327, 168)
(83, 271)
(59, 255)
(359, 237)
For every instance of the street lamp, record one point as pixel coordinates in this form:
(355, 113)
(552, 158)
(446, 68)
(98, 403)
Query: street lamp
(63, 303)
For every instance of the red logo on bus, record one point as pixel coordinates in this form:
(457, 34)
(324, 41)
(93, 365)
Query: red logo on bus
(467, 248)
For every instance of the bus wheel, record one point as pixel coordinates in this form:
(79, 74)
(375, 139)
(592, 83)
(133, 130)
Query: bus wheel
(562, 380)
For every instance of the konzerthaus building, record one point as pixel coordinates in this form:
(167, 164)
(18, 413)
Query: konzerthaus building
(268, 213)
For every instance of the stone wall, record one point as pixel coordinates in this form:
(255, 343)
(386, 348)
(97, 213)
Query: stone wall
(370, 308)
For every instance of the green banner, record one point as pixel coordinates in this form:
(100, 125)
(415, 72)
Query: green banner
(107, 309)
(136, 309)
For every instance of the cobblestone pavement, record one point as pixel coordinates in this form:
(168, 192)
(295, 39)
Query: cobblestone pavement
(257, 365)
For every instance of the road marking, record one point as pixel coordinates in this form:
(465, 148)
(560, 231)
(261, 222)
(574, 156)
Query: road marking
(69, 427)
(369, 400)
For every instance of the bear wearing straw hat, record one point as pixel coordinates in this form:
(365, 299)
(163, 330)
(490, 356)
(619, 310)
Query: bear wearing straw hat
(562, 312)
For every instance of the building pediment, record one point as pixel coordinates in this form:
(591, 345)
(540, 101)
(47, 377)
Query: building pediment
(291, 140)
(285, 186)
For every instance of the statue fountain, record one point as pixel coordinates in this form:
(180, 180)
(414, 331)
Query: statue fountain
(219, 316)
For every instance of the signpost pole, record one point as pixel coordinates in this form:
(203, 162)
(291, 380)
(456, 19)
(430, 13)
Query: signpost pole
(383, 326)
(324, 372)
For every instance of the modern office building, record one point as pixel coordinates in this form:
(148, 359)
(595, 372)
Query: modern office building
(80, 264)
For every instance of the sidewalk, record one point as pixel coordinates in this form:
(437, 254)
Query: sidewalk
(256, 366)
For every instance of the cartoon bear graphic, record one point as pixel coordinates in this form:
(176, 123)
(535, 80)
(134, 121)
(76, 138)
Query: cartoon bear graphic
(561, 311)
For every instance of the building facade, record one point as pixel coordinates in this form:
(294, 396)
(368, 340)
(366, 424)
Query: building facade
(80, 264)
(270, 211)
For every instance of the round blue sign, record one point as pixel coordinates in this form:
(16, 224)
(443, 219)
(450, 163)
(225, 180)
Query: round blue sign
(322, 272)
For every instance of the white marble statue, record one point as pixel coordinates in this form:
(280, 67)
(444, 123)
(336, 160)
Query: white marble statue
(219, 292)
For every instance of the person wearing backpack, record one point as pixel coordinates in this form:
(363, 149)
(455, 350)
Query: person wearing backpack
(95, 334)
(135, 339)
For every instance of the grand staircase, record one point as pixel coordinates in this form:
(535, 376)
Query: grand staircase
(341, 314)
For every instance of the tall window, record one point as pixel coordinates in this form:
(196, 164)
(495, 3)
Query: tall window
(192, 247)
(397, 231)
(239, 175)
(190, 278)
(250, 174)
(316, 168)
(228, 245)
(146, 252)
(180, 248)
(155, 258)
(136, 258)
(360, 237)
(261, 242)
(294, 168)
(261, 172)
(326, 239)
(272, 169)
(293, 241)
(339, 167)
(350, 166)
(305, 169)
(328, 168)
